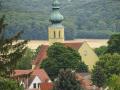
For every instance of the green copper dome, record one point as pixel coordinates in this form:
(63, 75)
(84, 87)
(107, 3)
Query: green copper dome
(56, 17)
(56, 4)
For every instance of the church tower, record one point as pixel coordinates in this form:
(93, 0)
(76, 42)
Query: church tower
(56, 29)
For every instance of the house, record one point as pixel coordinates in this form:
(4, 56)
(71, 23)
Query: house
(56, 34)
(33, 79)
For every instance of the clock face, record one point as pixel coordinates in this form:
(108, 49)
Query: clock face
(85, 52)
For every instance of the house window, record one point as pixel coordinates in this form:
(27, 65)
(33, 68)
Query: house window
(38, 85)
(34, 85)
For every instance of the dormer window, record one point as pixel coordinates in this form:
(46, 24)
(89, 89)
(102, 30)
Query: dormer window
(34, 85)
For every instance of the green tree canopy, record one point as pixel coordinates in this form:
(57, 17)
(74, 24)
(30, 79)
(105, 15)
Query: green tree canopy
(67, 81)
(60, 57)
(98, 76)
(114, 82)
(114, 44)
(36, 51)
(101, 50)
(106, 66)
(26, 60)
(9, 84)
(10, 50)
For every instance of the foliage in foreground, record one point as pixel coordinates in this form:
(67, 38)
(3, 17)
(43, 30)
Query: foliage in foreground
(9, 84)
(26, 60)
(10, 53)
(114, 82)
(67, 81)
(60, 57)
(10, 50)
(107, 66)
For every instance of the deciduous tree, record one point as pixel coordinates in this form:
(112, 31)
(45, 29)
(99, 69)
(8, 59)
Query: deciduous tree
(26, 60)
(10, 53)
(108, 65)
(114, 82)
(10, 50)
(60, 57)
(114, 44)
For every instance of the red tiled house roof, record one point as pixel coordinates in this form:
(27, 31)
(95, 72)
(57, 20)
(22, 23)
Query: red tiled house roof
(43, 52)
(37, 72)
(46, 86)
(31, 75)
(41, 56)
(74, 45)
(22, 72)
(41, 74)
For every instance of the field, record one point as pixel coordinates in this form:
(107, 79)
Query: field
(94, 43)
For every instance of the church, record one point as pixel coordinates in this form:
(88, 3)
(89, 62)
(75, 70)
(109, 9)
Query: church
(56, 34)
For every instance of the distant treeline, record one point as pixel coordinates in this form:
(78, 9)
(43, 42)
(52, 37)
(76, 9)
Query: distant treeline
(83, 19)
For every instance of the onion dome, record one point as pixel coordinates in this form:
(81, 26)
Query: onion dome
(56, 17)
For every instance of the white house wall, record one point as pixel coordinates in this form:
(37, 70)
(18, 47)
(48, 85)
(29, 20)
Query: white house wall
(36, 80)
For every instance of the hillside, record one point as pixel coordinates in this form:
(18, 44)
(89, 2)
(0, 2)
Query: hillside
(83, 18)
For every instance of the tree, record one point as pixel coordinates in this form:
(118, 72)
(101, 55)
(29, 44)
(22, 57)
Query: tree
(114, 82)
(67, 81)
(114, 44)
(60, 57)
(9, 84)
(36, 51)
(98, 76)
(11, 50)
(105, 68)
(26, 60)
(101, 50)
(10, 53)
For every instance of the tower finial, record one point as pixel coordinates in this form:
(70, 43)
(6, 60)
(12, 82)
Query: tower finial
(56, 17)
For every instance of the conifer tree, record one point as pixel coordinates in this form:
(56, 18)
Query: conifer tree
(67, 81)
(10, 50)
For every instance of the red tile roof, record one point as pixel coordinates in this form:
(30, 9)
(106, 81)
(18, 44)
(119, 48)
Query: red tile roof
(41, 55)
(74, 45)
(21, 72)
(41, 74)
(37, 72)
(46, 86)
(43, 52)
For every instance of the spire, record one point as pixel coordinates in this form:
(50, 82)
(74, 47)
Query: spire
(56, 18)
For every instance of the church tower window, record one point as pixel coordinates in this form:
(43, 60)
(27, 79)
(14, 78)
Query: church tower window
(59, 34)
(54, 34)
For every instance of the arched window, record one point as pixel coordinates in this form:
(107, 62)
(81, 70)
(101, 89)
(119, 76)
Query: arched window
(54, 34)
(59, 34)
